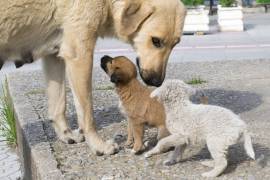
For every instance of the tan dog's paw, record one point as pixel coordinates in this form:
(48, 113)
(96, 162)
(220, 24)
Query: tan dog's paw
(71, 136)
(112, 147)
(109, 149)
(99, 147)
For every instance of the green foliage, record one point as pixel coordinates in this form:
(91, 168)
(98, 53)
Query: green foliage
(7, 118)
(193, 2)
(227, 3)
(263, 1)
(195, 81)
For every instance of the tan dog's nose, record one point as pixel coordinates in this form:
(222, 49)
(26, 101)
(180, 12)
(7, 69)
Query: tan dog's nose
(151, 78)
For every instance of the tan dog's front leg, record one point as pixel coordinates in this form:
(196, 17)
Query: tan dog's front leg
(78, 54)
(138, 137)
(130, 138)
(54, 69)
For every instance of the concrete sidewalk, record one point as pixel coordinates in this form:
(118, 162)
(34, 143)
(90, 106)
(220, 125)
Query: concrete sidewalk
(9, 162)
(242, 86)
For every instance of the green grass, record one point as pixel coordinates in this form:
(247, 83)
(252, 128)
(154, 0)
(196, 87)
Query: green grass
(193, 2)
(35, 91)
(7, 118)
(103, 88)
(227, 3)
(263, 1)
(195, 81)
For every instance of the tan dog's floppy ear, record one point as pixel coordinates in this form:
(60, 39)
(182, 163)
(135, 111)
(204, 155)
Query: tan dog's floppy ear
(134, 14)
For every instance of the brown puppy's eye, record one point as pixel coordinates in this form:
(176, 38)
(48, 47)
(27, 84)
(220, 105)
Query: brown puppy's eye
(156, 42)
(117, 68)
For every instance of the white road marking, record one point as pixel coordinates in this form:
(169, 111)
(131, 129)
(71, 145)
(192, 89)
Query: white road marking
(178, 48)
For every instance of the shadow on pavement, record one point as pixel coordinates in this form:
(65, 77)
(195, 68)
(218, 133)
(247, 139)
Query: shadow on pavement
(103, 118)
(237, 101)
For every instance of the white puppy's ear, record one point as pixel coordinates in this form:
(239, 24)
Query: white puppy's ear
(135, 12)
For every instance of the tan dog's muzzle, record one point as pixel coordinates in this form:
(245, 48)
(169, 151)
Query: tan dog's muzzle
(150, 77)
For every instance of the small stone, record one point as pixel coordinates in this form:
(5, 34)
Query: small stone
(262, 161)
(107, 177)
(251, 177)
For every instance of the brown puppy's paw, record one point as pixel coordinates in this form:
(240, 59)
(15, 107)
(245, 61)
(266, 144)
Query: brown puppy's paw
(129, 144)
(137, 149)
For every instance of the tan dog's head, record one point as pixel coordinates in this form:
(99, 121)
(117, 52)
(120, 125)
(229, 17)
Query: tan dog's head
(153, 28)
(120, 69)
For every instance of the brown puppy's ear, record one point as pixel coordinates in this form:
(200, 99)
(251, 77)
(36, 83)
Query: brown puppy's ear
(1, 64)
(103, 62)
(134, 14)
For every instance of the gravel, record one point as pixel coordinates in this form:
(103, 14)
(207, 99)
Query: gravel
(228, 84)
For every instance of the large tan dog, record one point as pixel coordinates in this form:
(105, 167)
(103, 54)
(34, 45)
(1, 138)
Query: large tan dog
(135, 101)
(64, 32)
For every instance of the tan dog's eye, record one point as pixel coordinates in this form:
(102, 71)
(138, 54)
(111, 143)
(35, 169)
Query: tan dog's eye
(156, 42)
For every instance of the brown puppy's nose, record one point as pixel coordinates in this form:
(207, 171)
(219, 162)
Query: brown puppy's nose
(104, 60)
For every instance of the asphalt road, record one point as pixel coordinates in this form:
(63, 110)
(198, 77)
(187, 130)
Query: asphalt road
(253, 43)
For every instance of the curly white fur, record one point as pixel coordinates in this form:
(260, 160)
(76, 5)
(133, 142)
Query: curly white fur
(191, 123)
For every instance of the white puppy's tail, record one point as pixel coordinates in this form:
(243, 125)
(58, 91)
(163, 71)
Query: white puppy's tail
(248, 145)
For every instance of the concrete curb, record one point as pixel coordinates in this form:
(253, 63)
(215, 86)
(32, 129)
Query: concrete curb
(253, 10)
(34, 151)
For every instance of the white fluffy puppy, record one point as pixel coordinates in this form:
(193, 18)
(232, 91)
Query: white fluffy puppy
(191, 123)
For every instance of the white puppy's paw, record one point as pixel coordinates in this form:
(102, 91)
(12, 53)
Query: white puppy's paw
(169, 162)
(148, 155)
(208, 163)
(210, 174)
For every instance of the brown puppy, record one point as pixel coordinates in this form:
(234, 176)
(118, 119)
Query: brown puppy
(135, 101)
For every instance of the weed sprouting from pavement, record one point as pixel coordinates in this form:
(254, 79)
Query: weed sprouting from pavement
(103, 88)
(195, 81)
(7, 117)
